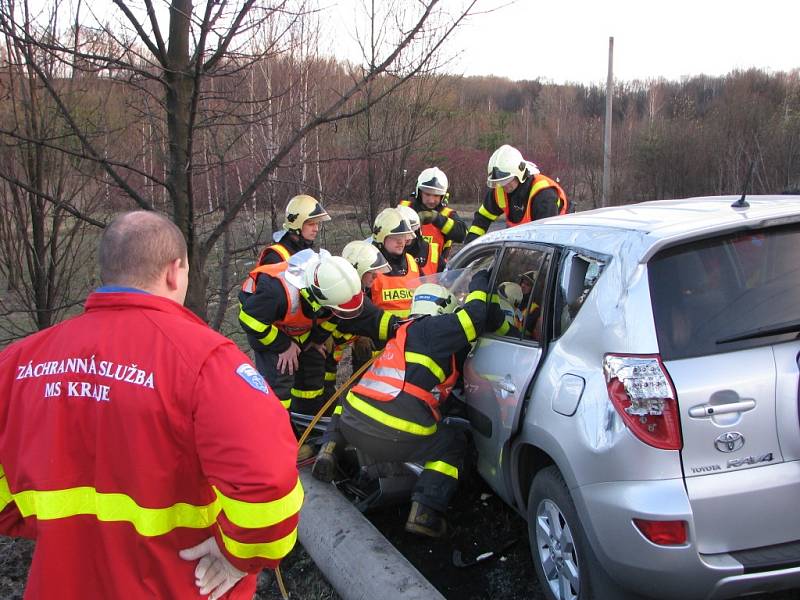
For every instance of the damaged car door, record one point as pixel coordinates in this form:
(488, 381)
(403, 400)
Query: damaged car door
(499, 369)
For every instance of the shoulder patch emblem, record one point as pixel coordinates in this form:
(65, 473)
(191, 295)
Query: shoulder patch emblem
(252, 377)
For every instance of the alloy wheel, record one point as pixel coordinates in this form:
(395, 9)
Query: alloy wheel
(557, 553)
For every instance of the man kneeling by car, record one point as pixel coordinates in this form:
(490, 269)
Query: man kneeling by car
(393, 412)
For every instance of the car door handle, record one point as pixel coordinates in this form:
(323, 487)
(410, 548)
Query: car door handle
(709, 410)
(507, 386)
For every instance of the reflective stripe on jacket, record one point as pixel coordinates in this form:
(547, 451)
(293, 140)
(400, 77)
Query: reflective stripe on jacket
(540, 182)
(294, 323)
(120, 450)
(431, 266)
(386, 378)
(431, 233)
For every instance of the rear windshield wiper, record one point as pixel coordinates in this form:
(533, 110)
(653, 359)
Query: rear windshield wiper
(779, 329)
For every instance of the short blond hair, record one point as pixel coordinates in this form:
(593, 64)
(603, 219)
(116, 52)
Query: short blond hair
(137, 246)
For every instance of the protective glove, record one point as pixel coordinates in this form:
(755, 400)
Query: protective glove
(427, 216)
(214, 574)
(480, 281)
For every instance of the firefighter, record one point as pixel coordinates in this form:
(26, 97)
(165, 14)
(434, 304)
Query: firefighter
(518, 190)
(511, 294)
(375, 323)
(368, 262)
(280, 304)
(530, 285)
(393, 414)
(133, 431)
(426, 254)
(392, 291)
(441, 225)
(301, 224)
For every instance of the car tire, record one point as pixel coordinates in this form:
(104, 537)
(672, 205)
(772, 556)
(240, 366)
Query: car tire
(565, 563)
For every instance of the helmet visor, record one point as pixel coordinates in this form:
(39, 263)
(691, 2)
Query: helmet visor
(496, 183)
(436, 191)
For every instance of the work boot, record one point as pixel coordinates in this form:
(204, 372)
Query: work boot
(423, 520)
(325, 466)
(304, 452)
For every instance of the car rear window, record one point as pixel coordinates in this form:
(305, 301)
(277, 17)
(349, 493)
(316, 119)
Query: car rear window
(727, 293)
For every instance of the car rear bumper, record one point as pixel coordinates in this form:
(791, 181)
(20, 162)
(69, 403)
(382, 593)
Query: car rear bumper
(607, 511)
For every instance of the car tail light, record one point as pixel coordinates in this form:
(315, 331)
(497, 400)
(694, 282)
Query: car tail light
(642, 392)
(663, 533)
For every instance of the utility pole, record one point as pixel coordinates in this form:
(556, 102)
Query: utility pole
(607, 135)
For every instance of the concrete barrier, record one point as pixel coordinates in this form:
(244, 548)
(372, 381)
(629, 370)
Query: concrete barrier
(355, 558)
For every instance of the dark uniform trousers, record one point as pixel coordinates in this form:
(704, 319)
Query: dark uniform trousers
(443, 449)
(304, 388)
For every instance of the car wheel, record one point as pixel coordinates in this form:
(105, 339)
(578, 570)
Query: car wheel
(564, 561)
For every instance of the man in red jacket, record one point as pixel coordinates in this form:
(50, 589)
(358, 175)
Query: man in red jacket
(141, 449)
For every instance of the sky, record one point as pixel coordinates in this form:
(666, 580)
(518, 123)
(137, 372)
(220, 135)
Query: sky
(563, 41)
(567, 40)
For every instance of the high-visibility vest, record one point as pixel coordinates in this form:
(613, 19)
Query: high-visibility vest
(540, 182)
(431, 233)
(386, 378)
(432, 264)
(393, 293)
(294, 323)
(282, 251)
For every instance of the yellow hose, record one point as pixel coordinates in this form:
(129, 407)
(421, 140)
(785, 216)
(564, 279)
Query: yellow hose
(281, 586)
(356, 374)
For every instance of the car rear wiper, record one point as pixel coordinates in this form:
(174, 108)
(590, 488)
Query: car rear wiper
(779, 329)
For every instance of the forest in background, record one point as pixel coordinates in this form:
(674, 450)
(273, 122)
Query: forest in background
(218, 123)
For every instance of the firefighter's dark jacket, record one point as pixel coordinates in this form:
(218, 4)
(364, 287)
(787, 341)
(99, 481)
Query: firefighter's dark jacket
(452, 226)
(545, 204)
(266, 306)
(373, 323)
(431, 342)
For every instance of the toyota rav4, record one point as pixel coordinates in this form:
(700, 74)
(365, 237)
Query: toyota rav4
(640, 405)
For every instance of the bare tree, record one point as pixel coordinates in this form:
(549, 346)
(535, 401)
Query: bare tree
(47, 206)
(174, 66)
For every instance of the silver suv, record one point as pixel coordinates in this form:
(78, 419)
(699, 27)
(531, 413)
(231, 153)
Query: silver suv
(640, 407)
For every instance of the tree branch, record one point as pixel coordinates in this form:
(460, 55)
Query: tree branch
(158, 51)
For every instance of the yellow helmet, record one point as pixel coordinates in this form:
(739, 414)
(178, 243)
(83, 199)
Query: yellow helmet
(365, 257)
(390, 222)
(303, 208)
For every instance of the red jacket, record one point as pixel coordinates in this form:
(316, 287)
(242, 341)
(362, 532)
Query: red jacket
(131, 432)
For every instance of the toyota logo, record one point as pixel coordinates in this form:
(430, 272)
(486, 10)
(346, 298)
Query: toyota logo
(729, 442)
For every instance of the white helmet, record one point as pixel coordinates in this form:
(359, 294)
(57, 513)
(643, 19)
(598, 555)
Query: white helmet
(390, 222)
(509, 313)
(301, 209)
(432, 299)
(510, 292)
(505, 164)
(432, 181)
(365, 258)
(335, 283)
(410, 215)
